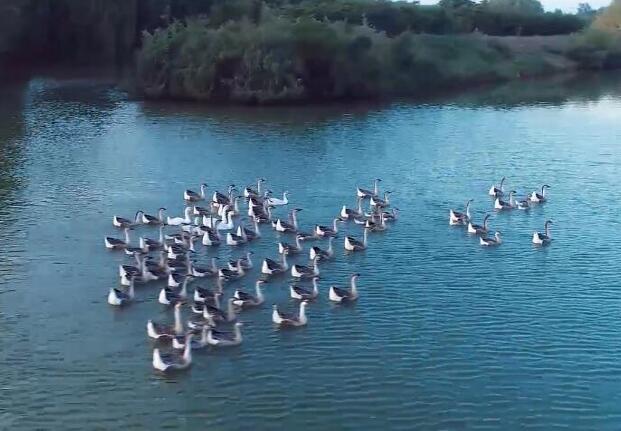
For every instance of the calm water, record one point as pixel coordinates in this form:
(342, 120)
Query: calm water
(446, 335)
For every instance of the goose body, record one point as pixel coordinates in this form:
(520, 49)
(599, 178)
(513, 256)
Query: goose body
(191, 196)
(326, 231)
(117, 244)
(459, 218)
(497, 191)
(178, 221)
(491, 242)
(202, 294)
(245, 262)
(479, 229)
(348, 213)
(337, 294)
(380, 203)
(157, 330)
(539, 197)
(223, 339)
(234, 240)
(322, 254)
(291, 248)
(168, 296)
(243, 299)
(148, 244)
(179, 343)
(500, 205)
(275, 202)
(297, 292)
(229, 274)
(167, 363)
(249, 192)
(271, 267)
(227, 222)
(286, 319)
(303, 271)
(248, 234)
(283, 226)
(118, 297)
(153, 220)
(352, 244)
(364, 193)
(543, 238)
(125, 223)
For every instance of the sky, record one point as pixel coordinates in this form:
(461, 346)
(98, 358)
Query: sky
(564, 5)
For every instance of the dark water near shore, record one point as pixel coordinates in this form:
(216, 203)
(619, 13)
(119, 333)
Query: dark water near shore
(446, 334)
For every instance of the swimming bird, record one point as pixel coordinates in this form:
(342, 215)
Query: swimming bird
(374, 226)
(491, 242)
(216, 314)
(286, 319)
(168, 363)
(249, 234)
(291, 248)
(152, 244)
(246, 262)
(381, 203)
(304, 271)
(322, 254)
(364, 193)
(500, 205)
(522, 204)
(125, 223)
(191, 196)
(271, 267)
(352, 244)
(283, 226)
(222, 199)
(178, 221)
(234, 239)
(159, 330)
(348, 213)
(223, 339)
(539, 197)
(197, 271)
(543, 238)
(297, 292)
(337, 294)
(117, 244)
(228, 274)
(243, 299)
(168, 296)
(153, 220)
(180, 342)
(227, 222)
(478, 229)
(498, 191)
(202, 294)
(118, 297)
(275, 202)
(459, 218)
(326, 231)
(249, 192)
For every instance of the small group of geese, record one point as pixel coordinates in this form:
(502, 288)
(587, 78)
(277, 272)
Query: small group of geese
(221, 213)
(497, 192)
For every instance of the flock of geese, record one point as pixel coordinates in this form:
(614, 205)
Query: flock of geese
(497, 192)
(217, 219)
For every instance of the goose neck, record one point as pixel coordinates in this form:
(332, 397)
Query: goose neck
(178, 325)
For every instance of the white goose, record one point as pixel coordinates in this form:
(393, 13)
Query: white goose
(352, 244)
(275, 202)
(364, 193)
(223, 339)
(157, 330)
(153, 220)
(168, 363)
(326, 231)
(500, 205)
(191, 196)
(297, 292)
(178, 221)
(497, 191)
(117, 244)
(123, 222)
(271, 267)
(243, 299)
(337, 294)
(322, 254)
(491, 242)
(227, 222)
(543, 238)
(539, 197)
(180, 342)
(303, 271)
(291, 248)
(478, 229)
(118, 297)
(286, 319)
(459, 218)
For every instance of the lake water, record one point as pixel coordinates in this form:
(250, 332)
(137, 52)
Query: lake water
(446, 335)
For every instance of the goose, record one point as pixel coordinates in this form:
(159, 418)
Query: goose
(228, 274)
(377, 226)
(282, 226)
(491, 242)
(157, 330)
(262, 216)
(322, 254)
(210, 238)
(347, 213)
(243, 299)
(197, 271)
(304, 271)
(117, 244)
(364, 193)
(352, 244)
(223, 339)
(152, 244)
(176, 251)
(249, 192)
(169, 297)
(234, 240)
(393, 215)
(131, 270)
(168, 363)
(202, 294)
(153, 273)
(222, 199)
(210, 222)
(522, 204)
(248, 234)
(227, 222)
(286, 319)
(326, 231)
(498, 191)
(543, 238)
(271, 267)
(539, 197)
(152, 220)
(214, 301)
(178, 221)
(291, 248)
(275, 202)
(298, 292)
(118, 297)
(381, 203)
(191, 196)
(175, 280)
(478, 229)
(337, 294)
(216, 314)
(180, 342)
(246, 262)
(459, 218)
(201, 211)
(123, 222)
(500, 205)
